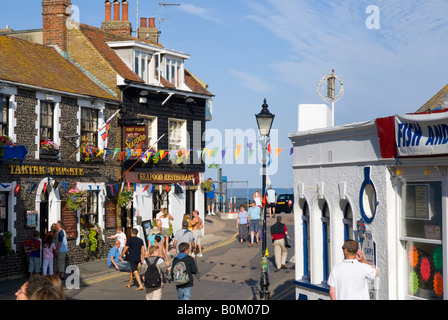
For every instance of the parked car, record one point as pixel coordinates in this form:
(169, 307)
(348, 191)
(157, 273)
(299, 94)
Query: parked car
(285, 203)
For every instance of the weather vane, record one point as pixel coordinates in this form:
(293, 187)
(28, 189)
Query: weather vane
(327, 88)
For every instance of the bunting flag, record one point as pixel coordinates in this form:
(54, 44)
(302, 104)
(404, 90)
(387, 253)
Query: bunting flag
(269, 148)
(45, 187)
(292, 151)
(146, 188)
(277, 151)
(16, 190)
(237, 151)
(250, 153)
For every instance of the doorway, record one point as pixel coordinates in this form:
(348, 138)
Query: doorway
(43, 215)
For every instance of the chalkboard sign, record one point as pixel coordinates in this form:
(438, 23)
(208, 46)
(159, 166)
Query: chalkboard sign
(70, 221)
(111, 215)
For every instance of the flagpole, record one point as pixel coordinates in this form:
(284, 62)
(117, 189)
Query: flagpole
(141, 157)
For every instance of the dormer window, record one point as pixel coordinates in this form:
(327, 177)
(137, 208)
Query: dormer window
(141, 64)
(174, 71)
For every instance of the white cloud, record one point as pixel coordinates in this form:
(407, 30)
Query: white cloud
(382, 68)
(201, 12)
(251, 82)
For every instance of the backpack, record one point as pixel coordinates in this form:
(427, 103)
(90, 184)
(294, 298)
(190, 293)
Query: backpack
(180, 275)
(152, 274)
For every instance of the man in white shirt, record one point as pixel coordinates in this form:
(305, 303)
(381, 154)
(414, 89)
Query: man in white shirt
(271, 196)
(348, 280)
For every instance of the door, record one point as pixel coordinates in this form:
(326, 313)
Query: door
(43, 213)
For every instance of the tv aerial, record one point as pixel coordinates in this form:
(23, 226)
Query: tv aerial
(163, 5)
(331, 89)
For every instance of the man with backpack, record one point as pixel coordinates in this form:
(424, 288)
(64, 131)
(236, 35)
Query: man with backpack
(182, 270)
(152, 270)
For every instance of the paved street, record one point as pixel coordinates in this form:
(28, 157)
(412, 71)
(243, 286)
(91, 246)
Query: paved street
(228, 270)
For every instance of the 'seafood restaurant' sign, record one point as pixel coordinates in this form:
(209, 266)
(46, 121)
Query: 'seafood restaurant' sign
(162, 177)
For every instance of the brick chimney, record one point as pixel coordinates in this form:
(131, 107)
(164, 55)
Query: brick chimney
(147, 30)
(56, 14)
(121, 27)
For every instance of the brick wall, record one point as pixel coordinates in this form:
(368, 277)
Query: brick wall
(107, 171)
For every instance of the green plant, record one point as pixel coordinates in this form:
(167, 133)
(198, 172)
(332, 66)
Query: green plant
(207, 185)
(91, 237)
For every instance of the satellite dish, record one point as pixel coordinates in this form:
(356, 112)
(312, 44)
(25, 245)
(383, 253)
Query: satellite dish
(331, 89)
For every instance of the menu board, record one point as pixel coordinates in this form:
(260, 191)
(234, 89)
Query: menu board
(70, 221)
(111, 215)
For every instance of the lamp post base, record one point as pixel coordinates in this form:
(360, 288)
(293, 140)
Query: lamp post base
(265, 294)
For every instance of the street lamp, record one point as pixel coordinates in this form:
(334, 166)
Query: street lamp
(264, 122)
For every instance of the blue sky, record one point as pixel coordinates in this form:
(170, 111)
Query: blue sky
(248, 50)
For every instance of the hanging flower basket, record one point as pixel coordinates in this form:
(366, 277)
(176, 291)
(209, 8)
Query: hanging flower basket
(125, 198)
(91, 238)
(207, 186)
(5, 141)
(76, 199)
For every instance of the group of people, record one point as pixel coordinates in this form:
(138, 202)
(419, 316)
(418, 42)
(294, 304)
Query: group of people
(53, 249)
(249, 222)
(134, 258)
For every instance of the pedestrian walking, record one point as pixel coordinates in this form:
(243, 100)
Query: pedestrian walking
(48, 253)
(257, 198)
(61, 249)
(183, 235)
(136, 253)
(114, 259)
(271, 197)
(162, 253)
(182, 271)
(32, 249)
(242, 224)
(279, 231)
(254, 222)
(153, 287)
(164, 227)
(197, 226)
(348, 279)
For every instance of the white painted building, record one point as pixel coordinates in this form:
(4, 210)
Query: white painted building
(384, 184)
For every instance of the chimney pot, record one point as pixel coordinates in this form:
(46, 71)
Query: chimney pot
(108, 10)
(124, 10)
(143, 23)
(116, 10)
(151, 23)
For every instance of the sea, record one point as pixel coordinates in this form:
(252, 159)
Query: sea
(243, 195)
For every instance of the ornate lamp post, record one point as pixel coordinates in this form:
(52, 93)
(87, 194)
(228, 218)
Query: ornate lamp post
(264, 122)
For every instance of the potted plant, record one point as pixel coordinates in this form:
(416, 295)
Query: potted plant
(49, 145)
(76, 199)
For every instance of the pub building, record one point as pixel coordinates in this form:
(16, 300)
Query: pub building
(384, 184)
(162, 107)
(48, 109)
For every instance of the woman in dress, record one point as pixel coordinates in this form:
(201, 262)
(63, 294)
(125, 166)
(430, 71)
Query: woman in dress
(164, 227)
(242, 223)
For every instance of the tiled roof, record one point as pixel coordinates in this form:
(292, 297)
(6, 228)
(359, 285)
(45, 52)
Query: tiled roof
(439, 101)
(99, 39)
(33, 64)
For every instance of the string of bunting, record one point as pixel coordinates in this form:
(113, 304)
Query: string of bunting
(145, 156)
(113, 188)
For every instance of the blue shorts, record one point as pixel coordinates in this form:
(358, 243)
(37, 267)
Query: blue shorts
(254, 225)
